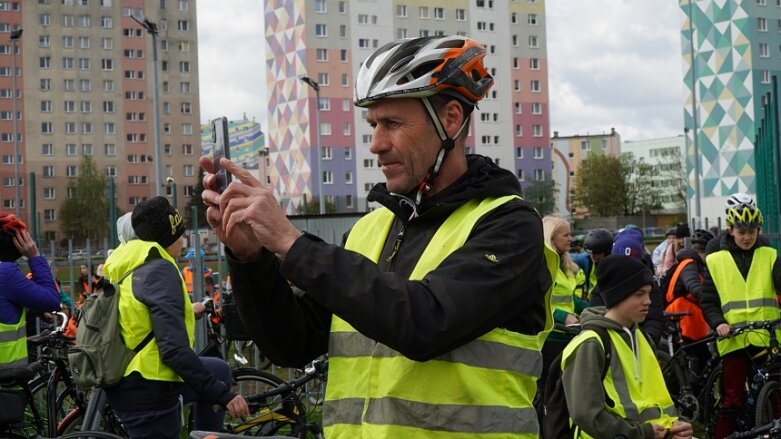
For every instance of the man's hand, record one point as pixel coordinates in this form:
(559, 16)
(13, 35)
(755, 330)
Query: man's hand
(246, 216)
(571, 320)
(682, 430)
(198, 309)
(659, 431)
(237, 407)
(723, 330)
(25, 244)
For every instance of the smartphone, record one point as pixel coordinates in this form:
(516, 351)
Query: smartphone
(220, 149)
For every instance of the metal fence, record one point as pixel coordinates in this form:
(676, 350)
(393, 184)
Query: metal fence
(768, 165)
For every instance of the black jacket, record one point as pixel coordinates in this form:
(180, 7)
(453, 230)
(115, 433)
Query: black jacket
(462, 299)
(692, 275)
(711, 302)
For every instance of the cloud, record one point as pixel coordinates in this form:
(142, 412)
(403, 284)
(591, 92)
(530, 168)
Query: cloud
(231, 59)
(615, 63)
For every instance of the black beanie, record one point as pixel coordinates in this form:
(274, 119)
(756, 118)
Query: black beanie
(157, 221)
(619, 276)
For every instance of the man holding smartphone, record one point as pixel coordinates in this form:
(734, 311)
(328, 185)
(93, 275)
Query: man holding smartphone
(434, 312)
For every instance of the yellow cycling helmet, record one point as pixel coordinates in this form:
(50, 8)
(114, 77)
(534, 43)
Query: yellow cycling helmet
(744, 216)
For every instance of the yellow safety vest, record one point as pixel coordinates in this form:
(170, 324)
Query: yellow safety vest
(638, 393)
(563, 290)
(481, 389)
(13, 343)
(745, 300)
(135, 320)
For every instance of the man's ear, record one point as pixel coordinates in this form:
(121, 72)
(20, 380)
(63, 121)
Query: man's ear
(452, 115)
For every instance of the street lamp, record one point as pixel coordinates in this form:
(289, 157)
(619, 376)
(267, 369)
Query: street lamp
(15, 35)
(171, 183)
(151, 29)
(312, 83)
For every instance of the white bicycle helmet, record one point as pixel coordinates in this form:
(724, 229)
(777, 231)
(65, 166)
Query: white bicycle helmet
(738, 199)
(421, 67)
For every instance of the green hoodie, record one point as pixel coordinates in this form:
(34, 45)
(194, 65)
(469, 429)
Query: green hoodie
(582, 376)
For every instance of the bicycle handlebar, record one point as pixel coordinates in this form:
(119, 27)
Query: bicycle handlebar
(773, 428)
(311, 371)
(20, 374)
(743, 327)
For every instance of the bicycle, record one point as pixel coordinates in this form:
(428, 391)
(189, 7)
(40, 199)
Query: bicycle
(684, 379)
(276, 406)
(763, 367)
(217, 344)
(771, 430)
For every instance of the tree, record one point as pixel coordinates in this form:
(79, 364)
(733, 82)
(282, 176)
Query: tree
(196, 201)
(640, 194)
(85, 213)
(541, 194)
(312, 207)
(600, 185)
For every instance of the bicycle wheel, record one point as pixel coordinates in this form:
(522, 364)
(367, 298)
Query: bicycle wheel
(282, 415)
(711, 399)
(90, 434)
(72, 423)
(768, 403)
(677, 384)
(65, 403)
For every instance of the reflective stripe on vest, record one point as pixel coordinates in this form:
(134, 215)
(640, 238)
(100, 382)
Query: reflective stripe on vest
(136, 321)
(634, 384)
(745, 300)
(483, 388)
(13, 342)
(563, 290)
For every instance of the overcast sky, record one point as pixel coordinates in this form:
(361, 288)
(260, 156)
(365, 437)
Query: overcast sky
(611, 63)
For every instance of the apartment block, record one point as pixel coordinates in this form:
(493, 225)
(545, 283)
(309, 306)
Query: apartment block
(326, 41)
(86, 89)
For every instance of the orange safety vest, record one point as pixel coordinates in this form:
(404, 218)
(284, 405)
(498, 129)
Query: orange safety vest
(187, 274)
(693, 326)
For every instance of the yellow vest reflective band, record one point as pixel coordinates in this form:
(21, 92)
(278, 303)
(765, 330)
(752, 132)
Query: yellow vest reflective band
(745, 300)
(592, 278)
(563, 290)
(481, 389)
(635, 385)
(136, 322)
(13, 343)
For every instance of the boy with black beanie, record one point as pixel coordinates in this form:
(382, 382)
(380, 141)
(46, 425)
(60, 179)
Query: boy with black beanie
(634, 401)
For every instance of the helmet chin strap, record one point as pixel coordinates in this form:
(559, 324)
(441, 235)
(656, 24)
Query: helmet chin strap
(447, 145)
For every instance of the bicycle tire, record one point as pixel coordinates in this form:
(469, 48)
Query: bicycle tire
(251, 382)
(768, 403)
(711, 399)
(676, 379)
(72, 423)
(66, 401)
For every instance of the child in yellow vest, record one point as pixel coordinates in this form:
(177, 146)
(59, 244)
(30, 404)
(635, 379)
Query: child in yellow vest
(634, 402)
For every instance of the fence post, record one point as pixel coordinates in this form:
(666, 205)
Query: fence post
(32, 208)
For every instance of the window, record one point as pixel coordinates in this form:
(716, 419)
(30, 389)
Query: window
(533, 42)
(46, 84)
(105, 3)
(84, 64)
(345, 80)
(762, 24)
(324, 79)
(320, 6)
(532, 20)
(535, 85)
(423, 12)
(460, 15)
(46, 128)
(520, 175)
(106, 22)
(401, 11)
(85, 85)
(106, 43)
(539, 175)
(367, 140)
(84, 20)
(48, 193)
(70, 127)
(67, 63)
(481, 25)
(111, 171)
(326, 153)
(49, 215)
(184, 87)
(48, 171)
(766, 76)
(342, 31)
(517, 85)
(44, 19)
(322, 54)
(84, 43)
(86, 149)
(110, 149)
(109, 128)
(325, 128)
(363, 19)
(328, 177)
(534, 63)
(70, 149)
(107, 64)
(538, 152)
(68, 21)
(108, 85)
(86, 127)
(514, 18)
(536, 108)
(71, 171)
(46, 106)
(346, 129)
(187, 149)
(764, 50)
(47, 149)
(537, 130)
(86, 106)
(183, 25)
(321, 30)
(342, 7)
(188, 171)
(518, 152)
(363, 43)
(585, 145)
(519, 130)
(439, 13)
(324, 104)
(401, 33)
(184, 66)
(184, 5)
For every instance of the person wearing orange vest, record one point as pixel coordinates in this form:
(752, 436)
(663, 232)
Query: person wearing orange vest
(187, 272)
(684, 292)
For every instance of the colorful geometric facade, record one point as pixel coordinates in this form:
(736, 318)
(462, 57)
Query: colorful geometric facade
(734, 48)
(247, 143)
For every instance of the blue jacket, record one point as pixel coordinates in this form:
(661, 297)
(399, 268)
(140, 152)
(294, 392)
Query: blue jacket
(18, 292)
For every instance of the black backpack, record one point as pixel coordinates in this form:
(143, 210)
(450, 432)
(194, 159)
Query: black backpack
(556, 423)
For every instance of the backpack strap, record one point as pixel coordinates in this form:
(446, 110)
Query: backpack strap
(669, 295)
(607, 344)
(151, 334)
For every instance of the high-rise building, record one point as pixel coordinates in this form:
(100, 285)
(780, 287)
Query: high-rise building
(729, 64)
(326, 41)
(247, 147)
(86, 89)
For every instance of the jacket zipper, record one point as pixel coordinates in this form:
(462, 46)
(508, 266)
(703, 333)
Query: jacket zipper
(396, 246)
